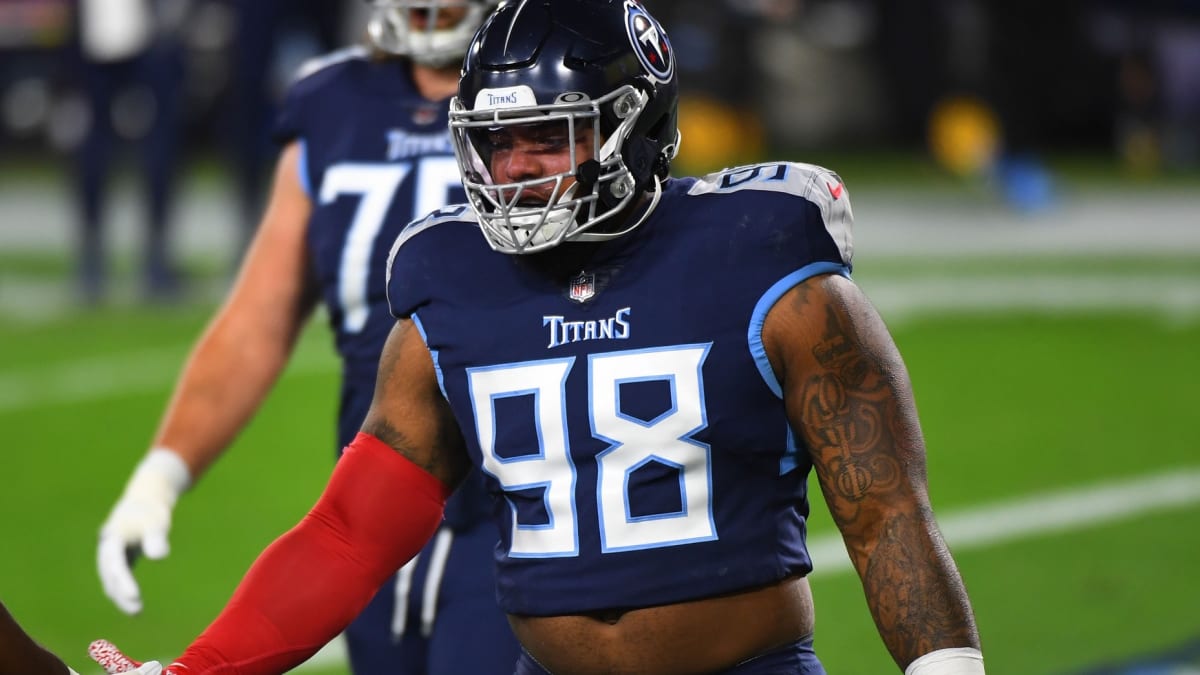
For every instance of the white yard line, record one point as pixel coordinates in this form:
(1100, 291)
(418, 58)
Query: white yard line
(124, 374)
(1173, 296)
(1041, 514)
(994, 524)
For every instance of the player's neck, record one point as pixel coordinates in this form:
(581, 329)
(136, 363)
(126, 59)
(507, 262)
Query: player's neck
(435, 84)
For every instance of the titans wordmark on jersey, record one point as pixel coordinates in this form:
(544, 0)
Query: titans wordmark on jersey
(635, 440)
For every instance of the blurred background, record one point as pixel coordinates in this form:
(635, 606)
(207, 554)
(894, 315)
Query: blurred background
(1026, 182)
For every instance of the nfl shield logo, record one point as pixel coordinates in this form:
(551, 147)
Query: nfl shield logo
(583, 287)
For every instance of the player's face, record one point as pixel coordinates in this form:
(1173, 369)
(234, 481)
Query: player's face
(437, 19)
(530, 152)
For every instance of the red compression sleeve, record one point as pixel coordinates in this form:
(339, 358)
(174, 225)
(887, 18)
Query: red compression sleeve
(376, 513)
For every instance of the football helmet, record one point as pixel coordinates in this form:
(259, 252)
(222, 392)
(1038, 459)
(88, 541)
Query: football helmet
(603, 64)
(392, 29)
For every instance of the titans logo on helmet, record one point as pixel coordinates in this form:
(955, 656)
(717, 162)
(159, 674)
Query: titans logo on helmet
(649, 42)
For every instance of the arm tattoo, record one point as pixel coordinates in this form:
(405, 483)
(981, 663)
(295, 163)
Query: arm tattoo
(409, 414)
(850, 413)
(865, 441)
(395, 438)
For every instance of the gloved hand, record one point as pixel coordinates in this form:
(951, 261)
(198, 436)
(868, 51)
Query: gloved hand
(107, 655)
(138, 524)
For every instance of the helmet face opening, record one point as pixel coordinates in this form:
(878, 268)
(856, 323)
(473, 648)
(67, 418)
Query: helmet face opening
(434, 33)
(598, 75)
(581, 178)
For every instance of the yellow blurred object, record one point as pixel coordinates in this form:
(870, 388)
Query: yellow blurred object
(964, 135)
(715, 136)
(1141, 151)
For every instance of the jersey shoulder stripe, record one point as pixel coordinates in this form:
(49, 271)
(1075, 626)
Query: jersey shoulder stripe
(452, 213)
(318, 63)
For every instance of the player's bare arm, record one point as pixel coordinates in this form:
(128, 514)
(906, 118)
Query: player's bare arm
(231, 369)
(848, 394)
(408, 412)
(248, 343)
(21, 655)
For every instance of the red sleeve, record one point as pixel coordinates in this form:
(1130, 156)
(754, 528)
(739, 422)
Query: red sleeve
(376, 513)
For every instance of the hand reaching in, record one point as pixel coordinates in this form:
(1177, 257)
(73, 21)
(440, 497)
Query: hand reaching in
(114, 661)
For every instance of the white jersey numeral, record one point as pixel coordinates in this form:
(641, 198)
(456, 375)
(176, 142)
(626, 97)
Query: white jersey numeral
(634, 443)
(376, 185)
(665, 439)
(549, 468)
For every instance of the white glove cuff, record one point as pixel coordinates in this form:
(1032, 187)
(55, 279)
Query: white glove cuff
(161, 473)
(952, 661)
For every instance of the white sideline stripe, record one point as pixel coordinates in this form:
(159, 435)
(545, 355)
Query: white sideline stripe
(994, 524)
(1172, 294)
(1174, 297)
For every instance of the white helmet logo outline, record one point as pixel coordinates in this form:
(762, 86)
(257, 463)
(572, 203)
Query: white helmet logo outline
(649, 42)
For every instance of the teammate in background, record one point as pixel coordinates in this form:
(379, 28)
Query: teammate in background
(367, 150)
(21, 655)
(131, 66)
(646, 369)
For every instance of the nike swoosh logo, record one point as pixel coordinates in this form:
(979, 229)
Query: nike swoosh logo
(835, 190)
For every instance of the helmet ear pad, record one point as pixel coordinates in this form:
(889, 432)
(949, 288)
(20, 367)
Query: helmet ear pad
(641, 155)
(642, 151)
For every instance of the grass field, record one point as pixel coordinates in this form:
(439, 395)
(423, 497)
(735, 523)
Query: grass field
(1031, 403)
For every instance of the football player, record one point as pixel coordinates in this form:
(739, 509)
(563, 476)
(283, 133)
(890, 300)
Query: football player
(646, 369)
(366, 150)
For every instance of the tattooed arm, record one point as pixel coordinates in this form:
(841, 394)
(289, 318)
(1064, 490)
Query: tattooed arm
(848, 395)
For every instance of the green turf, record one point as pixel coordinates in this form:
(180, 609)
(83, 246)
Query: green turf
(1050, 604)
(1011, 404)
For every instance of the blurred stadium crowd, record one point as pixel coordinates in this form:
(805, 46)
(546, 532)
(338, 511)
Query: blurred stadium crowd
(816, 72)
(985, 87)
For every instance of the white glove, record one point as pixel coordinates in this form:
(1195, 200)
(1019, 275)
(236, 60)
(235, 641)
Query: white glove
(107, 655)
(138, 524)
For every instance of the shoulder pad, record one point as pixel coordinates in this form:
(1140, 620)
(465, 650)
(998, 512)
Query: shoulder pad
(803, 180)
(815, 184)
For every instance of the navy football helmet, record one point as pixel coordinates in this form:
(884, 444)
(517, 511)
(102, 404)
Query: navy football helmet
(603, 64)
(392, 30)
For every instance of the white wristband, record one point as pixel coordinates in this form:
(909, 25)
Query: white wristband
(952, 661)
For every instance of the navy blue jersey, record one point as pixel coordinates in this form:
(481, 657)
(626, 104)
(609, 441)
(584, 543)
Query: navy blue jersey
(375, 155)
(625, 416)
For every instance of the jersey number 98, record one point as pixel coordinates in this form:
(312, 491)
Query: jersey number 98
(633, 443)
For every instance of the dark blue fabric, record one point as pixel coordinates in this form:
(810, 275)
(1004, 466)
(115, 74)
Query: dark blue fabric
(593, 462)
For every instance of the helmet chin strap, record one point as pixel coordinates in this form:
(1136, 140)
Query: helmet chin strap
(654, 199)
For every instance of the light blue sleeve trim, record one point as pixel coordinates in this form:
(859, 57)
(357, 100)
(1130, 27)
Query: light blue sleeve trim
(764, 305)
(302, 169)
(791, 456)
(437, 367)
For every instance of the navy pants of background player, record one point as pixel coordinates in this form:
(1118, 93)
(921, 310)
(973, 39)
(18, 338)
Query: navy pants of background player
(154, 79)
(448, 596)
